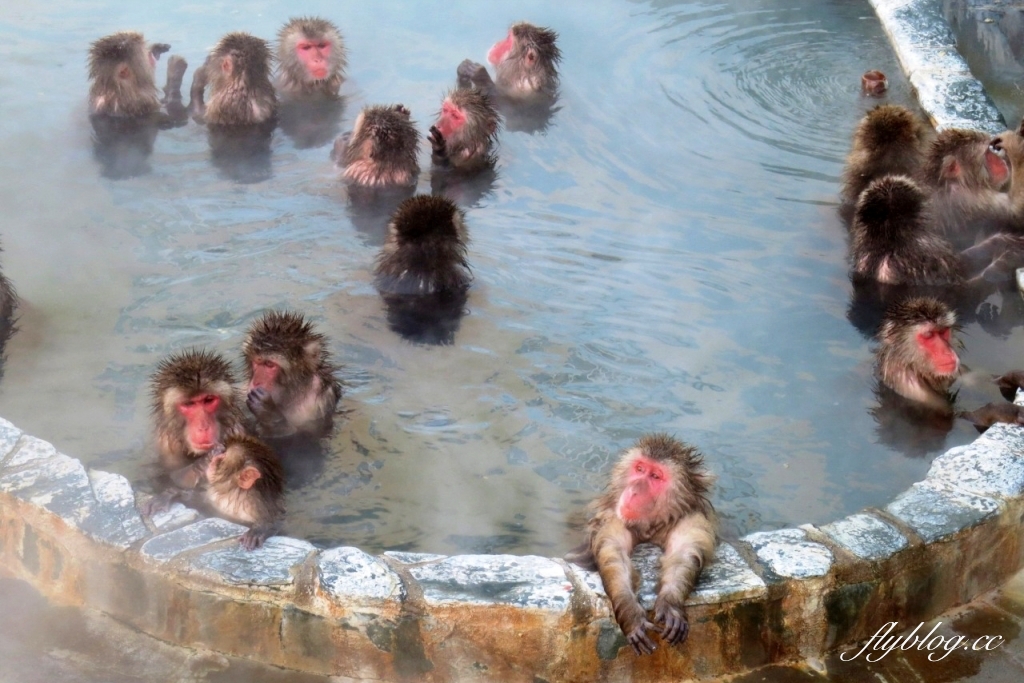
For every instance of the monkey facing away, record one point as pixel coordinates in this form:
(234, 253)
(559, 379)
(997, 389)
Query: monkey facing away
(237, 71)
(889, 140)
(122, 74)
(241, 481)
(292, 387)
(382, 148)
(194, 406)
(525, 64)
(915, 357)
(657, 493)
(466, 130)
(311, 57)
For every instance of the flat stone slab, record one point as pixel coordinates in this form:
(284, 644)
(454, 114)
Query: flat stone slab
(866, 536)
(347, 573)
(31, 450)
(524, 581)
(725, 578)
(993, 465)
(413, 558)
(115, 518)
(168, 546)
(787, 553)
(935, 512)
(269, 565)
(175, 516)
(9, 435)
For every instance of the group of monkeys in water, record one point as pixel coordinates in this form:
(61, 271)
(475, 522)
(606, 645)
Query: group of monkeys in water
(217, 456)
(934, 224)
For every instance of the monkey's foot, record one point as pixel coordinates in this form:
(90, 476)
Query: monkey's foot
(639, 640)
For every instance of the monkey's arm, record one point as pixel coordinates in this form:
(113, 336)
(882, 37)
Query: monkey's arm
(196, 105)
(438, 147)
(470, 74)
(270, 419)
(176, 114)
(613, 544)
(688, 546)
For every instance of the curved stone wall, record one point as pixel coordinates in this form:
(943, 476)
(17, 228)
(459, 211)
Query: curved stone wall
(786, 595)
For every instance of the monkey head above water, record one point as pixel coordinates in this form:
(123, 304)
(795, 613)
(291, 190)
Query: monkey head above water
(890, 139)
(466, 130)
(122, 71)
(381, 150)
(237, 71)
(915, 357)
(657, 493)
(525, 64)
(292, 387)
(194, 406)
(311, 57)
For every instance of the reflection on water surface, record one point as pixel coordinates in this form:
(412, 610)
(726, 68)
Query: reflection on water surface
(664, 255)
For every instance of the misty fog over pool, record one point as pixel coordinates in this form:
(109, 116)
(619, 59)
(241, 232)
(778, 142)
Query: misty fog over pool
(663, 255)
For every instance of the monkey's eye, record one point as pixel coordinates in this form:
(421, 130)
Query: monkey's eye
(639, 468)
(322, 45)
(268, 364)
(655, 475)
(927, 334)
(209, 399)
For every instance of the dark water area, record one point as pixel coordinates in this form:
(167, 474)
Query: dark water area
(663, 255)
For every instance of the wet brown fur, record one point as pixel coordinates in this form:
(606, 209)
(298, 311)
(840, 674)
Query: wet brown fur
(514, 75)
(684, 526)
(890, 239)
(122, 77)
(292, 76)
(178, 378)
(238, 73)
(425, 249)
(307, 391)
(470, 148)
(890, 139)
(899, 362)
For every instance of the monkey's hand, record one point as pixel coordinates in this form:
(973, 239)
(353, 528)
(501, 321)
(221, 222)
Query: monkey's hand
(438, 144)
(157, 49)
(254, 537)
(159, 503)
(675, 627)
(402, 109)
(259, 401)
(638, 638)
(340, 145)
(472, 74)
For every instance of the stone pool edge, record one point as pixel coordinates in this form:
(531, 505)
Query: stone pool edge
(76, 535)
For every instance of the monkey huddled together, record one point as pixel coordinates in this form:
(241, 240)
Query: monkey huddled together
(936, 224)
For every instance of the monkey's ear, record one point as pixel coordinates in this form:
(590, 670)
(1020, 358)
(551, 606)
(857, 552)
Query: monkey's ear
(531, 56)
(225, 65)
(124, 72)
(312, 349)
(248, 476)
(951, 168)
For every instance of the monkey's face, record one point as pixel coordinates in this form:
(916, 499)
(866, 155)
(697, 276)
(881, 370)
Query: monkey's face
(994, 163)
(199, 411)
(936, 349)
(647, 485)
(314, 53)
(267, 372)
(451, 119)
(499, 52)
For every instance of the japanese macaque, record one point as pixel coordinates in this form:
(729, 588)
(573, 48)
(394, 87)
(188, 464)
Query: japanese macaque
(525, 64)
(381, 150)
(240, 480)
(966, 172)
(890, 241)
(122, 70)
(991, 413)
(292, 388)
(890, 139)
(310, 57)
(8, 320)
(874, 83)
(1009, 383)
(466, 130)
(657, 494)
(915, 357)
(238, 73)
(194, 406)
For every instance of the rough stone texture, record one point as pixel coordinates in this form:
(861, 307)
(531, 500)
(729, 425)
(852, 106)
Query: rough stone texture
(268, 565)
(173, 543)
(788, 553)
(866, 536)
(991, 466)
(926, 48)
(934, 512)
(413, 558)
(175, 516)
(115, 519)
(9, 435)
(526, 581)
(351, 574)
(30, 450)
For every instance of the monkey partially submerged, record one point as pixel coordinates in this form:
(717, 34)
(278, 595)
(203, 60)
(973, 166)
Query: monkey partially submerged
(292, 387)
(915, 357)
(525, 64)
(889, 140)
(122, 71)
(241, 481)
(381, 150)
(237, 72)
(464, 135)
(657, 493)
(310, 57)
